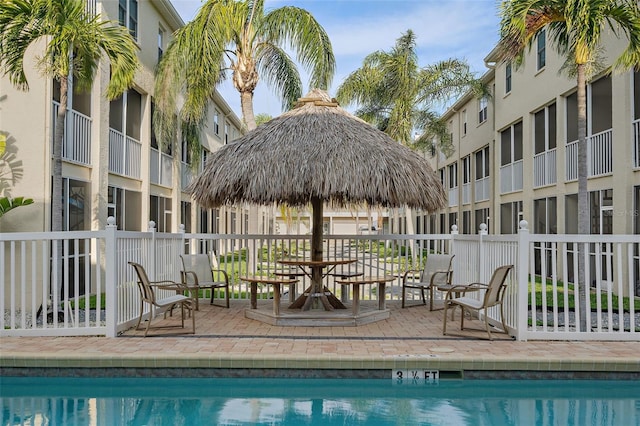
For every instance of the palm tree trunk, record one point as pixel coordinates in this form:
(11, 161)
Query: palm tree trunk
(583, 194)
(246, 103)
(56, 191)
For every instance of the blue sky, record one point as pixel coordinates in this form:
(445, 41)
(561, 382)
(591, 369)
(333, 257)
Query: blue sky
(464, 29)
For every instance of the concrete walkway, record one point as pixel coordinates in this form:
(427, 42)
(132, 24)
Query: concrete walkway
(228, 344)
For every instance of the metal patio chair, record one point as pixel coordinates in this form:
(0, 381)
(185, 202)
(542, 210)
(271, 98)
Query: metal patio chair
(198, 274)
(438, 270)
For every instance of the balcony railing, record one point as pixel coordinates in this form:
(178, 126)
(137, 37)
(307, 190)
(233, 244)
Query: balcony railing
(511, 177)
(125, 154)
(636, 143)
(453, 196)
(482, 189)
(76, 143)
(186, 175)
(161, 166)
(466, 193)
(599, 156)
(544, 168)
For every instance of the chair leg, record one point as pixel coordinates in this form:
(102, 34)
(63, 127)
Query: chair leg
(431, 298)
(403, 294)
(461, 317)
(140, 316)
(444, 321)
(486, 324)
(226, 295)
(424, 301)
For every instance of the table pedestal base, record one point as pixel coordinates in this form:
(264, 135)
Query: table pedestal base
(329, 300)
(368, 313)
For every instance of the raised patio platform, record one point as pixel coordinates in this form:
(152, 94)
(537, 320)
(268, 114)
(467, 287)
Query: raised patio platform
(368, 313)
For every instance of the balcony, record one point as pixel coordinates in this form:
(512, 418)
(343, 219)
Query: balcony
(466, 193)
(599, 156)
(186, 175)
(161, 166)
(511, 177)
(453, 196)
(76, 143)
(544, 169)
(125, 154)
(482, 189)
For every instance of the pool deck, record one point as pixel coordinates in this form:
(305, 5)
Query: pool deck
(229, 345)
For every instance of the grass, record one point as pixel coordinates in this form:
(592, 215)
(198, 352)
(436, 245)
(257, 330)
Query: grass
(572, 296)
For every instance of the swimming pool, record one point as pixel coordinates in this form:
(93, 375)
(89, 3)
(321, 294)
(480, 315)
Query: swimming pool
(161, 401)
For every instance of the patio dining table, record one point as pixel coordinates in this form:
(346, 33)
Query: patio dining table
(317, 270)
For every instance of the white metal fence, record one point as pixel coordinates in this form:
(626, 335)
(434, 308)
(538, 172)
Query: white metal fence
(125, 154)
(55, 283)
(599, 156)
(544, 168)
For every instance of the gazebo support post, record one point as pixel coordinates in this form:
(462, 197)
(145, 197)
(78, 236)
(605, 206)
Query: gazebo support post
(316, 254)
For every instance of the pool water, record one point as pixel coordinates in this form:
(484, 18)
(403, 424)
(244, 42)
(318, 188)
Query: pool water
(156, 401)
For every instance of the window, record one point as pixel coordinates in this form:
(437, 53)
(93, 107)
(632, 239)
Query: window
(216, 124)
(482, 109)
(160, 43)
(541, 52)
(466, 170)
(453, 176)
(453, 220)
(160, 212)
(545, 129)
(482, 163)
(443, 178)
(511, 158)
(185, 215)
(226, 133)
(466, 222)
(545, 220)
(186, 154)
(511, 144)
(482, 216)
(510, 216)
(464, 122)
(128, 16)
(507, 78)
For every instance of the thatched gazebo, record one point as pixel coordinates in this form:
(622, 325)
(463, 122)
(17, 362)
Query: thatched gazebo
(317, 153)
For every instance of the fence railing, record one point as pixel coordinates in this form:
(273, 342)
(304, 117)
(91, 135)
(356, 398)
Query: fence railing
(125, 154)
(466, 193)
(599, 156)
(79, 283)
(76, 144)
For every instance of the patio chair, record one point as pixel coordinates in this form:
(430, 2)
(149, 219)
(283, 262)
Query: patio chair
(148, 295)
(197, 274)
(438, 270)
(493, 296)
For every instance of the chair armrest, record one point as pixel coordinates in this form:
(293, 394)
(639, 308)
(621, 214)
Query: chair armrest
(168, 285)
(226, 276)
(436, 274)
(466, 288)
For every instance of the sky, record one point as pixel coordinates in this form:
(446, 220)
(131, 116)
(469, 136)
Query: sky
(462, 29)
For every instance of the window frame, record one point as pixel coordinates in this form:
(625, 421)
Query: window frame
(541, 49)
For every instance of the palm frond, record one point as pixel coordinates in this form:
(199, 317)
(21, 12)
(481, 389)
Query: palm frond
(280, 71)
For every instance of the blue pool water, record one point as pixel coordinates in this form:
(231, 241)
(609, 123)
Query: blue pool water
(154, 401)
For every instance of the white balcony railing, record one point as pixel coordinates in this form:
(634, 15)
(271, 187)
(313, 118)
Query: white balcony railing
(125, 154)
(544, 168)
(636, 143)
(76, 144)
(599, 156)
(511, 177)
(482, 189)
(161, 166)
(466, 193)
(453, 196)
(186, 175)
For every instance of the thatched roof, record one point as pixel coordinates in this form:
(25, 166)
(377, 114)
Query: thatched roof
(317, 150)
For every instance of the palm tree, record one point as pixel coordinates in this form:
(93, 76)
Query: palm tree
(238, 36)
(397, 95)
(575, 28)
(75, 44)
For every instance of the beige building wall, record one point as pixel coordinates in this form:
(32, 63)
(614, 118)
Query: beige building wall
(533, 90)
(26, 119)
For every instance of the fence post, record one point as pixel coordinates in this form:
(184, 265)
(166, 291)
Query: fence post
(151, 267)
(482, 261)
(110, 274)
(522, 281)
(452, 247)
